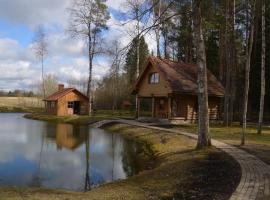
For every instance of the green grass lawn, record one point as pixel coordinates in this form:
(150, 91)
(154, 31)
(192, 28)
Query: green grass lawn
(231, 134)
(258, 145)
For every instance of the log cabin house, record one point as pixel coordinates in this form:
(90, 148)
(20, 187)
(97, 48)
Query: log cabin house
(66, 101)
(171, 90)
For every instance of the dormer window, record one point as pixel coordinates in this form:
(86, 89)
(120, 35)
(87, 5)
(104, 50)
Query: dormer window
(154, 78)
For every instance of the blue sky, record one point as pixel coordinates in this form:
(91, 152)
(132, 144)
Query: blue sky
(19, 68)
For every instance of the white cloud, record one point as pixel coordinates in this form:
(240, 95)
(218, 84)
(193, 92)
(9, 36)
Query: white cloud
(12, 50)
(67, 58)
(34, 12)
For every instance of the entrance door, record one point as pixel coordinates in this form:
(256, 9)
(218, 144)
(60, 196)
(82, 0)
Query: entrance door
(161, 107)
(76, 107)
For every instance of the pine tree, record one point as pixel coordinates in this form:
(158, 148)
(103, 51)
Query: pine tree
(131, 59)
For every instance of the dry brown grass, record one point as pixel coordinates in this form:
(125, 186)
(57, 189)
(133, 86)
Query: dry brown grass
(21, 102)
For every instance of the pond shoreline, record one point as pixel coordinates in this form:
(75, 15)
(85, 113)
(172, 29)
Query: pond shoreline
(174, 154)
(74, 120)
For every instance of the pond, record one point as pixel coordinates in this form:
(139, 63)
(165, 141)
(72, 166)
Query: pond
(40, 154)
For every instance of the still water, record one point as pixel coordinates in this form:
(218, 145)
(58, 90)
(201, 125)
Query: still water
(40, 154)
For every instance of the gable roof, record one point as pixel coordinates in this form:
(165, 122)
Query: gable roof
(57, 95)
(181, 77)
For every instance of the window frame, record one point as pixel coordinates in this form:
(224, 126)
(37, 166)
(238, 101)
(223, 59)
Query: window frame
(154, 78)
(70, 104)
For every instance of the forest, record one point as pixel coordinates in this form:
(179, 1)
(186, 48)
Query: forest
(226, 30)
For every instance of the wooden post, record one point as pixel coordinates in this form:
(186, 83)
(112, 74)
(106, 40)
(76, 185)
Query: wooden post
(169, 107)
(153, 106)
(139, 107)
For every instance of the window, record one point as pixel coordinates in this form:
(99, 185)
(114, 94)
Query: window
(154, 78)
(70, 104)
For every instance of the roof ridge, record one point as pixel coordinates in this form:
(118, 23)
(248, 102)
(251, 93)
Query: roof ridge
(58, 94)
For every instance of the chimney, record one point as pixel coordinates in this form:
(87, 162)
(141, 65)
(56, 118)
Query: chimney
(60, 87)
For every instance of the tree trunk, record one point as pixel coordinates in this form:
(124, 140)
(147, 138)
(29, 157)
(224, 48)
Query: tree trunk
(221, 53)
(42, 76)
(247, 71)
(262, 71)
(89, 84)
(89, 88)
(203, 123)
(137, 66)
(228, 66)
(157, 30)
(233, 62)
(165, 37)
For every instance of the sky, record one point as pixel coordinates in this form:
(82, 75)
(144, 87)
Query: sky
(67, 57)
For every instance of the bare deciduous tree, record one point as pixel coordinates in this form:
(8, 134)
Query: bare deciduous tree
(87, 20)
(157, 13)
(203, 123)
(50, 83)
(116, 54)
(41, 50)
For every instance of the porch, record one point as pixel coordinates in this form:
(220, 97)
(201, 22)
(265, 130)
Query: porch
(176, 107)
(170, 107)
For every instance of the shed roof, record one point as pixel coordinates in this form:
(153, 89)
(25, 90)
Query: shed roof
(55, 96)
(182, 77)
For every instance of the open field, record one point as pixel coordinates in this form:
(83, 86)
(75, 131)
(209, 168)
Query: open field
(20, 104)
(180, 172)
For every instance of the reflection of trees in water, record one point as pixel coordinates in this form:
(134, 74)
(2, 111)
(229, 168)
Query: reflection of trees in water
(136, 157)
(113, 151)
(37, 180)
(131, 157)
(87, 184)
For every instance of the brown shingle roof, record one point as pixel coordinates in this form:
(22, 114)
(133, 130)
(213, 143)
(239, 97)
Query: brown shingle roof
(182, 77)
(55, 96)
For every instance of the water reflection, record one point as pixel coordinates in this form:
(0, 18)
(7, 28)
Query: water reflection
(34, 153)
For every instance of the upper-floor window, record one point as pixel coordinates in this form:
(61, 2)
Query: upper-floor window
(154, 78)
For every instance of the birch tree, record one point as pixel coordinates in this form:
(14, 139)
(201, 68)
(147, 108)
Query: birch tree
(41, 50)
(262, 71)
(203, 123)
(88, 19)
(247, 72)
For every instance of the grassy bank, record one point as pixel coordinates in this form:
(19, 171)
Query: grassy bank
(76, 119)
(181, 172)
(80, 119)
(6, 109)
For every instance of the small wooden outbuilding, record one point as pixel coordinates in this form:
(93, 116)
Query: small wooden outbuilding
(171, 88)
(66, 101)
